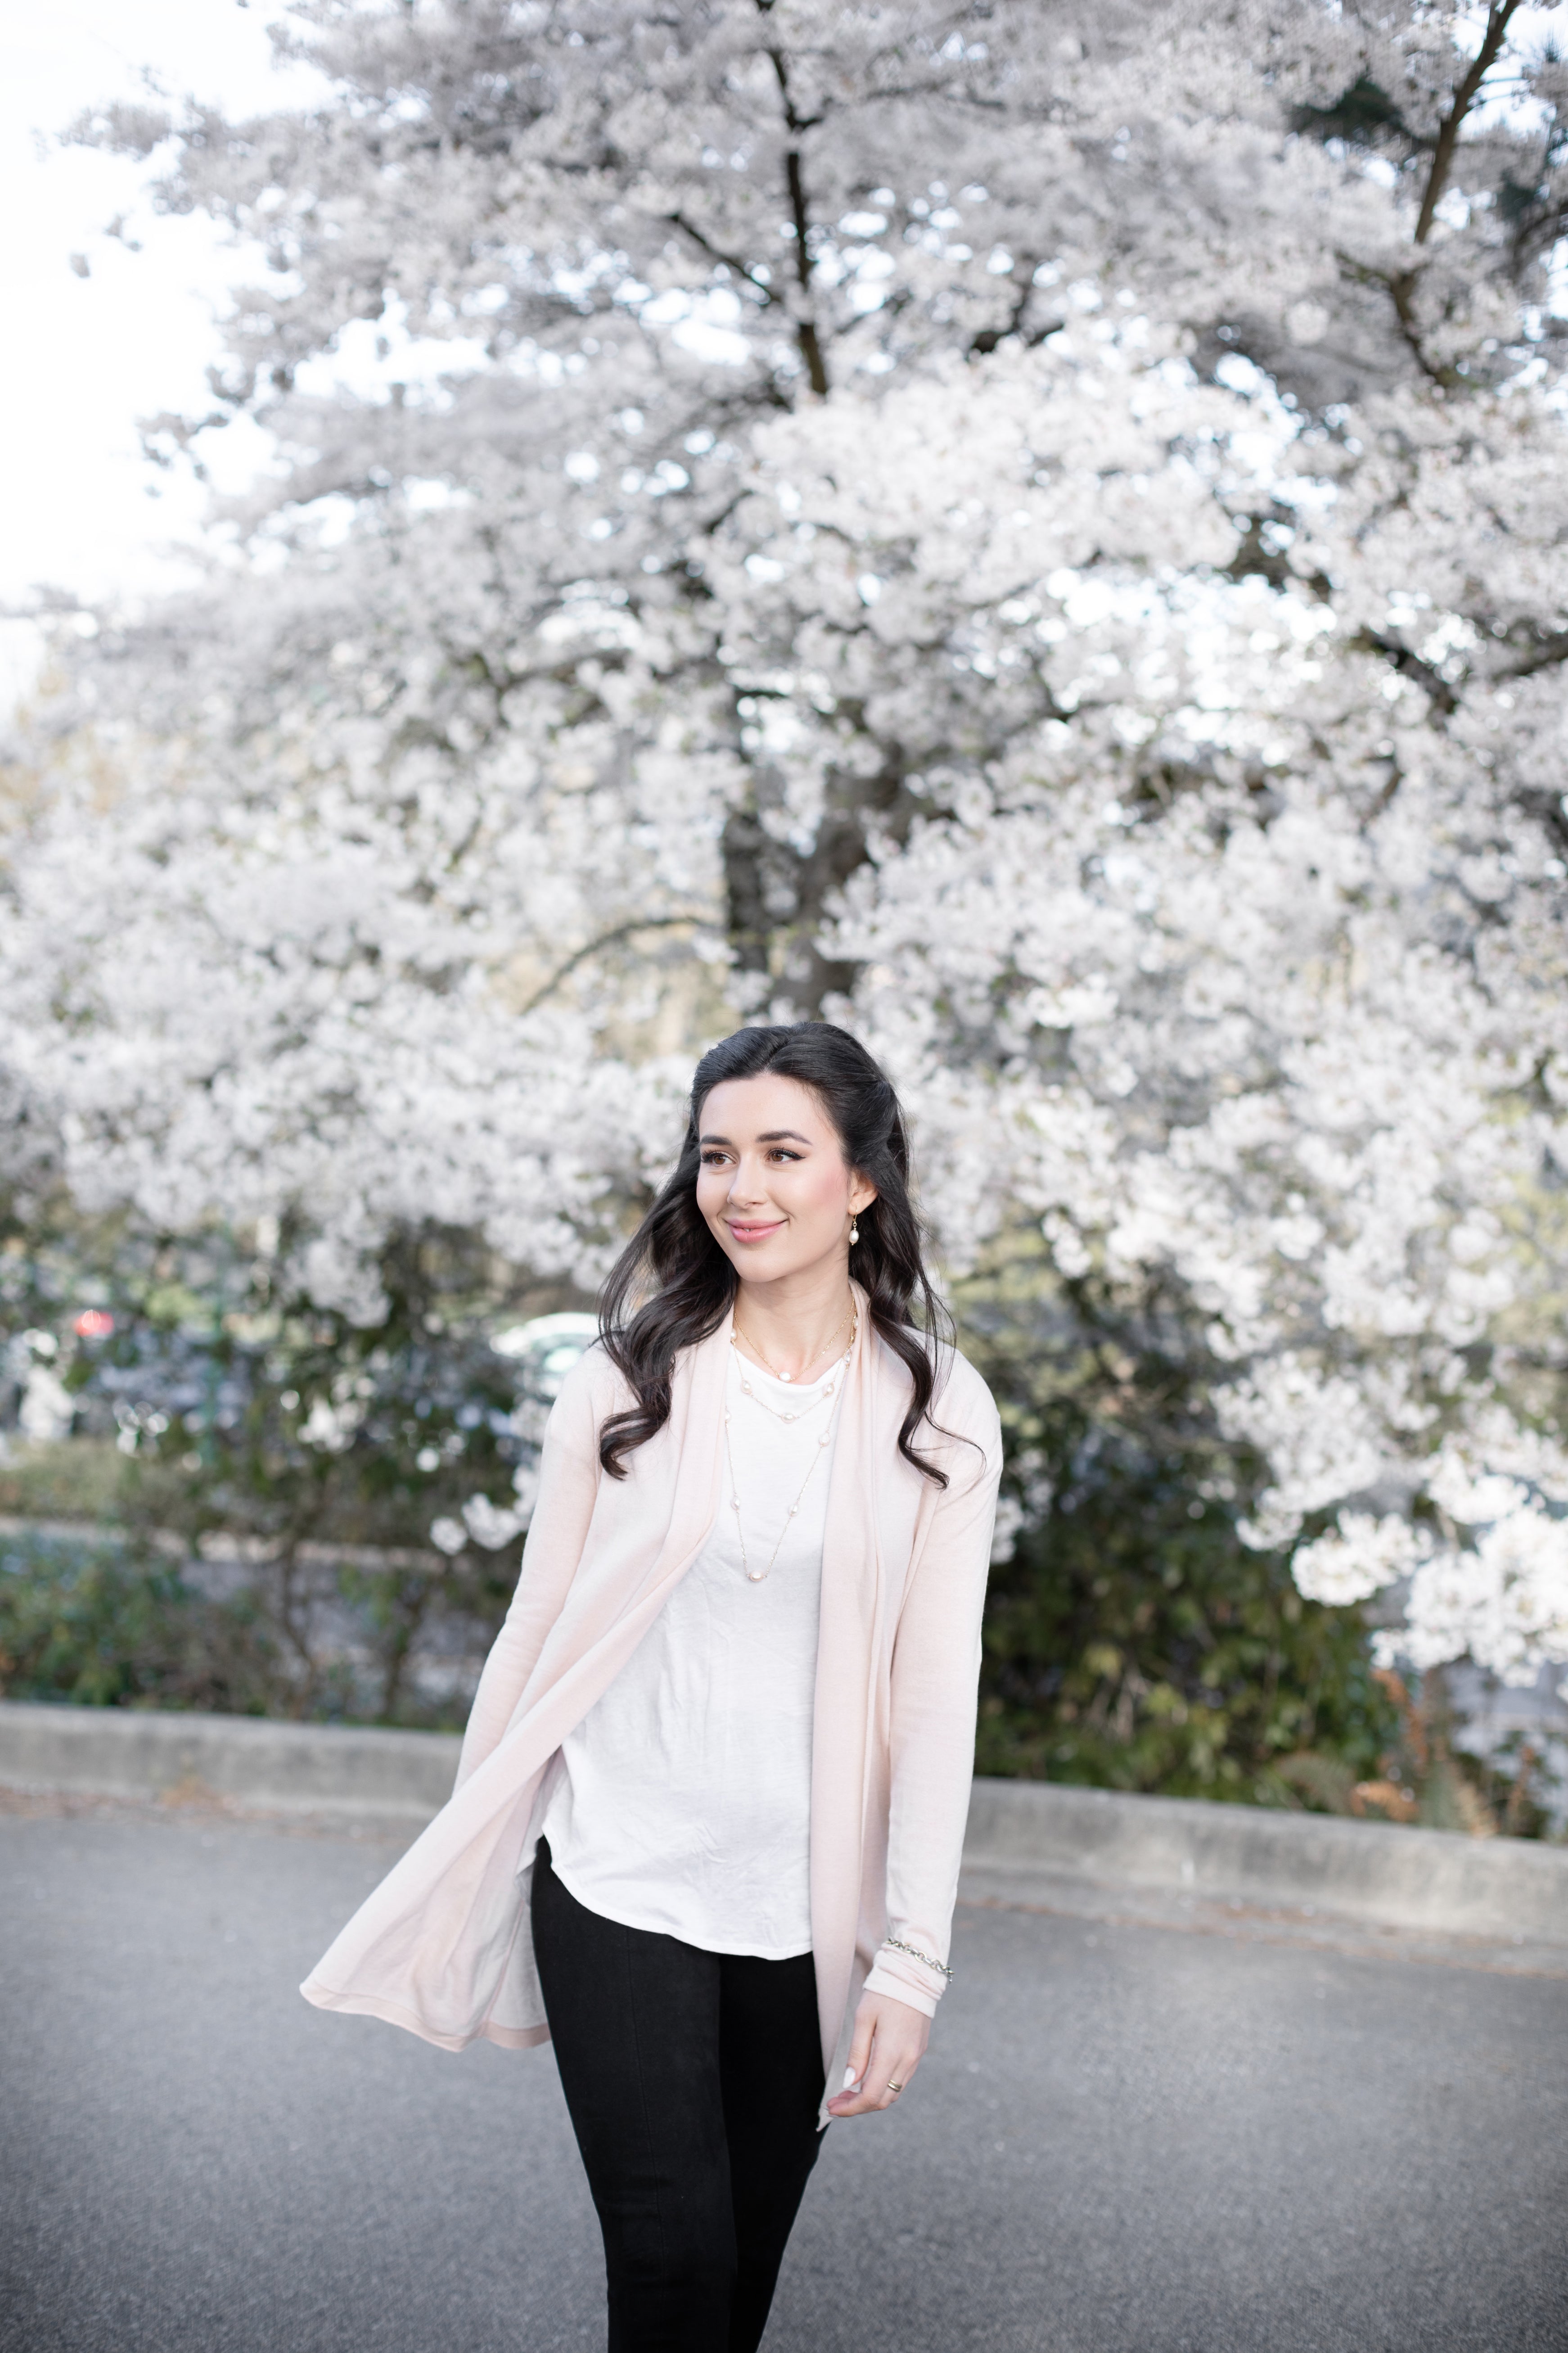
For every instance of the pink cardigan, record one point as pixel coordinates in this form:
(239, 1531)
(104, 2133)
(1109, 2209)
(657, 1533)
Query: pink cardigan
(443, 1945)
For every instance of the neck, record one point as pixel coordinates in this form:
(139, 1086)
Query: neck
(792, 1324)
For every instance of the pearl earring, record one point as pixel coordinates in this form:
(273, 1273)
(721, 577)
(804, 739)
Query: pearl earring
(854, 1233)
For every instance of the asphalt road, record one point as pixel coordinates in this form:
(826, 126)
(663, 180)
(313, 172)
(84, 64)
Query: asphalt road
(1126, 2140)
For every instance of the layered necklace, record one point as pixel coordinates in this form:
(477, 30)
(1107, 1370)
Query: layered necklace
(824, 1396)
(737, 1335)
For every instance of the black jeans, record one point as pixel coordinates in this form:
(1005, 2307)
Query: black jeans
(693, 2080)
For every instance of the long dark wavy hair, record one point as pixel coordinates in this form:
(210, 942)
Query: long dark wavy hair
(672, 1285)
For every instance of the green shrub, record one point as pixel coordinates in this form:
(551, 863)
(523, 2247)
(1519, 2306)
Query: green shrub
(105, 1625)
(1133, 1641)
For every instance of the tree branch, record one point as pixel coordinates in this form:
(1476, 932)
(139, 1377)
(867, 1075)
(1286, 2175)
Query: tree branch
(1544, 655)
(716, 253)
(1486, 56)
(806, 328)
(1433, 684)
(989, 337)
(1401, 293)
(607, 940)
(1443, 697)
(796, 125)
(1400, 287)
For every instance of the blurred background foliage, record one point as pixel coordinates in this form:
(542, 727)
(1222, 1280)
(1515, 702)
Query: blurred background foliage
(240, 1519)
(268, 1473)
(1133, 1641)
(101, 1623)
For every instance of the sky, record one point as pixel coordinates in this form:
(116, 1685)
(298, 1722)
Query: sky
(104, 334)
(82, 510)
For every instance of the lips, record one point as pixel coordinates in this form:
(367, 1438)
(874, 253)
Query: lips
(757, 1232)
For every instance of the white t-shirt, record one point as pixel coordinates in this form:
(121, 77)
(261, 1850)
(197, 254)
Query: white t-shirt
(683, 1798)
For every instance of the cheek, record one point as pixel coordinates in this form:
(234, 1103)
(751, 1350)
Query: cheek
(712, 1184)
(823, 1194)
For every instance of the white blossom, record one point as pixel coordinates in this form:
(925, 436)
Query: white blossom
(1503, 1603)
(488, 1524)
(1091, 615)
(46, 1410)
(1357, 1557)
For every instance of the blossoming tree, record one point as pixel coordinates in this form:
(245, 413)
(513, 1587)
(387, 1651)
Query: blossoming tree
(1051, 550)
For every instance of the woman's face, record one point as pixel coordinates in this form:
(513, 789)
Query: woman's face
(773, 1181)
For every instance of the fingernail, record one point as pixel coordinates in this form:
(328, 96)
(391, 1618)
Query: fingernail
(850, 2079)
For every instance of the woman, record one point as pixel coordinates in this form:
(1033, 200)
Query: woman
(709, 1814)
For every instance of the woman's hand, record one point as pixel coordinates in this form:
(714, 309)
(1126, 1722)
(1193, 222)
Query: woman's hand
(889, 2037)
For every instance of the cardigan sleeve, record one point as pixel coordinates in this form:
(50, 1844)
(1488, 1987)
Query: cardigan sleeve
(935, 1681)
(569, 1475)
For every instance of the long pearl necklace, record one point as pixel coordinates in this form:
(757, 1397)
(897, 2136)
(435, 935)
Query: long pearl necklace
(758, 1576)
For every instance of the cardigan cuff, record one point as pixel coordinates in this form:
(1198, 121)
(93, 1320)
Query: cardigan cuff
(905, 1980)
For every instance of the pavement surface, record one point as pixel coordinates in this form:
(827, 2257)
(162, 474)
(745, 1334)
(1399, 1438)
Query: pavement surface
(1133, 2134)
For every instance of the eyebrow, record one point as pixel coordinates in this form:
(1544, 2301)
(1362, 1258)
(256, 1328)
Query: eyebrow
(773, 1135)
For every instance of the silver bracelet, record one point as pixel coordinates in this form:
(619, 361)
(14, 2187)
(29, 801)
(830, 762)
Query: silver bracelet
(914, 1953)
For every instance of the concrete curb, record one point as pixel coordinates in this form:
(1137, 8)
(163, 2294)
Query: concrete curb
(1018, 1831)
(396, 1778)
(219, 1549)
(1402, 1878)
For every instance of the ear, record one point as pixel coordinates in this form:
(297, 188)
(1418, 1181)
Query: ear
(862, 1193)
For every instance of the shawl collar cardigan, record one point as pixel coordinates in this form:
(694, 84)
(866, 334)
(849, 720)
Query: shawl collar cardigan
(443, 1945)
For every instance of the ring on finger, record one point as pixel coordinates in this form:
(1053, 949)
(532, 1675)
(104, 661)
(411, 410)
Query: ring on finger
(895, 2089)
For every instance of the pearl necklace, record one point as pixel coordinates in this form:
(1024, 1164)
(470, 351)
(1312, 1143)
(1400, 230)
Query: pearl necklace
(759, 1575)
(778, 1412)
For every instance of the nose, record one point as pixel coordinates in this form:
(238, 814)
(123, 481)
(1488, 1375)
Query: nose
(746, 1187)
